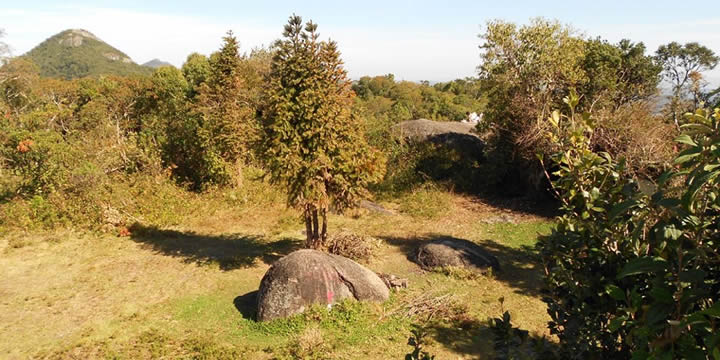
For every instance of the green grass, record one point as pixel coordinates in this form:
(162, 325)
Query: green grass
(426, 202)
(182, 291)
(523, 234)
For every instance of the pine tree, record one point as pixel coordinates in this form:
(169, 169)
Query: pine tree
(228, 126)
(312, 143)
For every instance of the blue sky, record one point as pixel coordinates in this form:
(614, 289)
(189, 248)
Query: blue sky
(415, 40)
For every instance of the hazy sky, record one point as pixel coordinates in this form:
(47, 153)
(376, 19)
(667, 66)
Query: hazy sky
(415, 40)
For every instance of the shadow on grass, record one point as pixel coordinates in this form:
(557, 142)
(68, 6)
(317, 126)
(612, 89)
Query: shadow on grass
(477, 339)
(247, 305)
(230, 252)
(519, 267)
(542, 206)
(467, 337)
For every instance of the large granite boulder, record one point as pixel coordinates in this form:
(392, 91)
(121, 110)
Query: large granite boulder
(307, 277)
(445, 252)
(451, 134)
(424, 129)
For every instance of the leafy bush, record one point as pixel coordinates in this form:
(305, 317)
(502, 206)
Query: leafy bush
(631, 270)
(35, 158)
(507, 339)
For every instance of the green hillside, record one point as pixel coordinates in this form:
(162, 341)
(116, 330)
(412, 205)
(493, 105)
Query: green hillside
(78, 53)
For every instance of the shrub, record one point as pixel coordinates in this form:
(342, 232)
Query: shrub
(418, 340)
(630, 272)
(352, 246)
(36, 159)
(637, 134)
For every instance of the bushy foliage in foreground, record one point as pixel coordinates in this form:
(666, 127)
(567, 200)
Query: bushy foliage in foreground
(633, 269)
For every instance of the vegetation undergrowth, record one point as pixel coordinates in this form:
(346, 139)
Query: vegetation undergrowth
(631, 271)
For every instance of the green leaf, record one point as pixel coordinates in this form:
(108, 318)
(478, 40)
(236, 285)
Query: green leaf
(668, 202)
(615, 292)
(671, 232)
(662, 294)
(616, 323)
(685, 139)
(696, 129)
(640, 354)
(643, 265)
(713, 311)
(664, 178)
(621, 208)
(711, 167)
(687, 155)
(697, 183)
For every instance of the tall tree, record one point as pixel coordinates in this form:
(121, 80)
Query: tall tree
(312, 143)
(196, 70)
(229, 127)
(527, 71)
(618, 73)
(681, 65)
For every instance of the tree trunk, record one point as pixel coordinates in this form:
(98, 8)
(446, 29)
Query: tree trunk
(308, 228)
(316, 228)
(323, 235)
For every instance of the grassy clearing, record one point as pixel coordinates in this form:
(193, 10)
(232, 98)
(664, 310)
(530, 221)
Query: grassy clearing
(186, 291)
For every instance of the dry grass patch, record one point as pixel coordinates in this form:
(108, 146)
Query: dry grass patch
(86, 295)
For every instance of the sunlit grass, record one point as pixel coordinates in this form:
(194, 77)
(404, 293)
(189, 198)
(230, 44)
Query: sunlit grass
(86, 295)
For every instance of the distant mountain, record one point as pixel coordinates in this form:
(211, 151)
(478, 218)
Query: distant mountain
(157, 63)
(78, 53)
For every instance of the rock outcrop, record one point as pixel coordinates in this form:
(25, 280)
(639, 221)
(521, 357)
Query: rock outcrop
(424, 129)
(453, 134)
(307, 277)
(76, 37)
